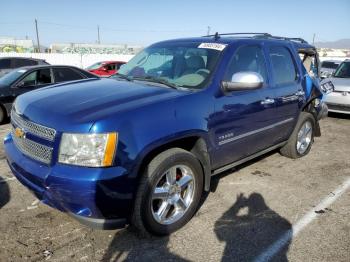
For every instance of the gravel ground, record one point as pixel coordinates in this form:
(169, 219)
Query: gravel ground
(248, 209)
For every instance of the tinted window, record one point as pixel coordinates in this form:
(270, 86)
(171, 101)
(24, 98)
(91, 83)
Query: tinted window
(65, 74)
(5, 63)
(247, 58)
(110, 67)
(23, 62)
(282, 65)
(330, 65)
(343, 70)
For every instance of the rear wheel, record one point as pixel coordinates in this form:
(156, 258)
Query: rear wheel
(2, 115)
(169, 192)
(300, 142)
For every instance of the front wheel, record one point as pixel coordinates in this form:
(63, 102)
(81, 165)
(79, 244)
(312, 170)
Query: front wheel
(169, 192)
(300, 141)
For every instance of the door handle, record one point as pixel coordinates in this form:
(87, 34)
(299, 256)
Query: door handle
(300, 93)
(267, 101)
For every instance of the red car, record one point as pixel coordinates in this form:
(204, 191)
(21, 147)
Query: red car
(105, 68)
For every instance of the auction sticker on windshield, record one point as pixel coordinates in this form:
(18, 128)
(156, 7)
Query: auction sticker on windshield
(214, 46)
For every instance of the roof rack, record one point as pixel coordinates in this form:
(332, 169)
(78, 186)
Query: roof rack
(259, 35)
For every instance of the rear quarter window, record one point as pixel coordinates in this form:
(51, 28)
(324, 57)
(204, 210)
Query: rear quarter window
(283, 66)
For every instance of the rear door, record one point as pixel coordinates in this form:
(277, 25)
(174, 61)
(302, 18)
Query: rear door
(243, 120)
(287, 87)
(64, 74)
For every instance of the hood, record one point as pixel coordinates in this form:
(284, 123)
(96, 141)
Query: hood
(341, 84)
(76, 106)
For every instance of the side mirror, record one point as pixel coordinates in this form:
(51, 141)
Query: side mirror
(243, 81)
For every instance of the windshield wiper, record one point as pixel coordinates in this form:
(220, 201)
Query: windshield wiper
(157, 80)
(117, 75)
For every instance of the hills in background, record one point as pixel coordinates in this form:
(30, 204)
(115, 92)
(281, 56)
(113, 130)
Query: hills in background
(339, 44)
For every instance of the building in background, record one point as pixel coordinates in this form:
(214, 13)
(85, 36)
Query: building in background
(73, 48)
(10, 44)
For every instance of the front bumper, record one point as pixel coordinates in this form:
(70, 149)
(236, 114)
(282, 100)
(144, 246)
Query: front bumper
(97, 197)
(338, 102)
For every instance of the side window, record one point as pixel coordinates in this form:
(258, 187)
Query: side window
(5, 63)
(283, 67)
(18, 62)
(36, 78)
(247, 58)
(65, 74)
(29, 80)
(110, 67)
(43, 77)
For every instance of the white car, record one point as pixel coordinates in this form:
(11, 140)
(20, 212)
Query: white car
(339, 100)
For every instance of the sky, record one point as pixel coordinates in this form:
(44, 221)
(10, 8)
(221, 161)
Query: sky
(144, 22)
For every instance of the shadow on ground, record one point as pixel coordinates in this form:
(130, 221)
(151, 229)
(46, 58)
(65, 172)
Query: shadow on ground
(4, 193)
(248, 228)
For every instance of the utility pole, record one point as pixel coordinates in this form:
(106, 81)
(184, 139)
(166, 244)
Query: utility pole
(313, 39)
(37, 34)
(98, 35)
(208, 31)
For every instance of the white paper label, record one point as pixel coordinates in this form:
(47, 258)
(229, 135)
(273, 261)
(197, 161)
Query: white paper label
(214, 46)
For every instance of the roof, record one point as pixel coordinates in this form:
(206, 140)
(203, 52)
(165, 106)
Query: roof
(231, 38)
(20, 57)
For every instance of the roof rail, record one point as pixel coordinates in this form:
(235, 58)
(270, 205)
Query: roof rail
(259, 35)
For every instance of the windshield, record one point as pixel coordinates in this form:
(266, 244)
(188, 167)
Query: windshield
(343, 70)
(11, 77)
(180, 65)
(94, 66)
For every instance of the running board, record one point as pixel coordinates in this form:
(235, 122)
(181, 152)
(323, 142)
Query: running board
(239, 162)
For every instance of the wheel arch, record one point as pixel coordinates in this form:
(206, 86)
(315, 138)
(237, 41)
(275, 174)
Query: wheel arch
(195, 143)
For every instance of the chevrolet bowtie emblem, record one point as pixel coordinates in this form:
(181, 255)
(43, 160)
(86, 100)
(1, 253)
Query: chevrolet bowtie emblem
(19, 133)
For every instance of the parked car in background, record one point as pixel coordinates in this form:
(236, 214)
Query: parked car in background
(7, 64)
(339, 100)
(328, 67)
(143, 150)
(26, 79)
(105, 68)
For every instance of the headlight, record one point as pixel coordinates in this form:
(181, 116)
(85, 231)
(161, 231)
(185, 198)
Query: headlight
(91, 150)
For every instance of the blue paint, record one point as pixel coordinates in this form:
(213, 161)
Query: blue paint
(147, 116)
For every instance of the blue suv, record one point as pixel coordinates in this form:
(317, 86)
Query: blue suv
(141, 148)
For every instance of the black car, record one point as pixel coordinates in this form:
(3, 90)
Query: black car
(26, 79)
(7, 64)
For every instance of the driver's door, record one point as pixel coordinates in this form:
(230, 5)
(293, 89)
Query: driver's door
(243, 120)
(33, 80)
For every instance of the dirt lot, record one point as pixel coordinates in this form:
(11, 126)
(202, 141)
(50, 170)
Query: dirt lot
(278, 212)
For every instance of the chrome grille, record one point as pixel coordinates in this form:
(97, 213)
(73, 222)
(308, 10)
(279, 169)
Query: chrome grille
(32, 149)
(33, 128)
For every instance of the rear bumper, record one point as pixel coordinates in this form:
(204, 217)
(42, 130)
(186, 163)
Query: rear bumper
(98, 197)
(338, 102)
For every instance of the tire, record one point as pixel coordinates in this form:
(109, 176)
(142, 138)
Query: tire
(2, 115)
(145, 216)
(295, 150)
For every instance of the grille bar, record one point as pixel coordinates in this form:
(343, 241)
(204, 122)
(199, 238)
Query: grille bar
(33, 150)
(36, 129)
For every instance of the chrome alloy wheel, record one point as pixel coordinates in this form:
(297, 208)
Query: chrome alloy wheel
(173, 194)
(304, 137)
